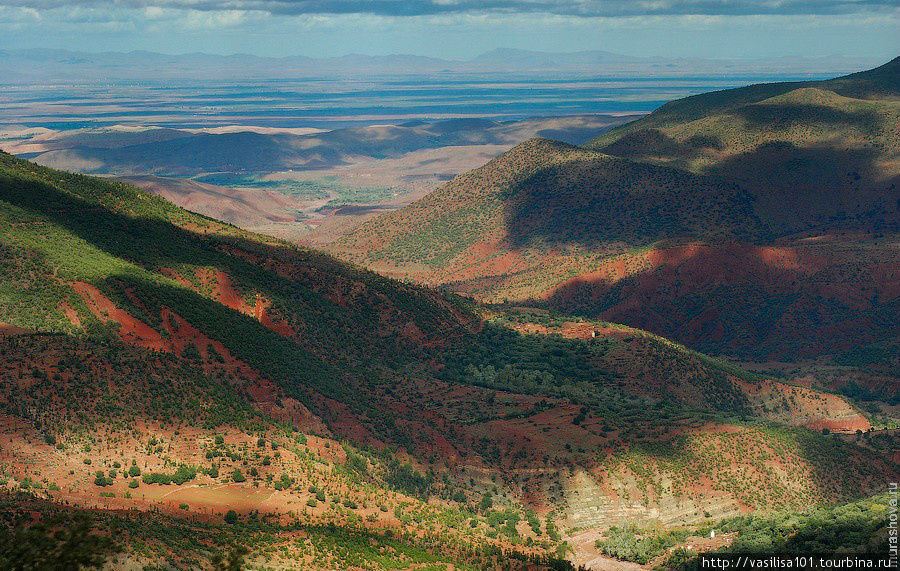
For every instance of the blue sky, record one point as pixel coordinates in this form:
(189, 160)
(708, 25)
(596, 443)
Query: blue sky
(459, 29)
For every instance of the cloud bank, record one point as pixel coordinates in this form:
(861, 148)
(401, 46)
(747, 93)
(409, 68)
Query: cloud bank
(572, 8)
(458, 29)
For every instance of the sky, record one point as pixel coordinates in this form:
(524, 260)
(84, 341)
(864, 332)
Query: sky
(459, 29)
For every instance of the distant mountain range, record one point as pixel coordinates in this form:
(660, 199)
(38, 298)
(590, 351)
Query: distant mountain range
(24, 66)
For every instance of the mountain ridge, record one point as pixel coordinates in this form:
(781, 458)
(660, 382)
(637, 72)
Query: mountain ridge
(796, 176)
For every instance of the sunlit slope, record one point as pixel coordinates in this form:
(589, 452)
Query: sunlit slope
(758, 222)
(548, 198)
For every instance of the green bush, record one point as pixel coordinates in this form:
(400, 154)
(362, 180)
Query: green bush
(101, 480)
(633, 544)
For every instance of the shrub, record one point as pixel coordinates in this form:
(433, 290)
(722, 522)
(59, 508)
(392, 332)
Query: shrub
(101, 480)
(191, 352)
(157, 478)
(184, 474)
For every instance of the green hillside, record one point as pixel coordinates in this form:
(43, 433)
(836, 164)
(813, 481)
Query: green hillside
(159, 361)
(728, 221)
(541, 200)
(812, 154)
(145, 254)
(882, 82)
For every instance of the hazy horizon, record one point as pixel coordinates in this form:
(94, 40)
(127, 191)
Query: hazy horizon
(458, 30)
(460, 59)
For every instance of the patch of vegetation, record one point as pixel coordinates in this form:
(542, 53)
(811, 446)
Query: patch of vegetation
(856, 527)
(182, 475)
(632, 543)
(403, 477)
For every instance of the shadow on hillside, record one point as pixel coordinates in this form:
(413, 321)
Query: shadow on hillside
(776, 189)
(715, 442)
(203, 152)
(781, 115)
(349, 314)
(737, 300)
(799, 188)
(653, 143)
(839, 471)
(294, 366)
(783, 166)
(613, 205)
(336, 376)
(829, 457)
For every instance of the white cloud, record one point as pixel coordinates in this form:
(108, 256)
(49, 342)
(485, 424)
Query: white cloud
(202, 20)
(13, 15)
